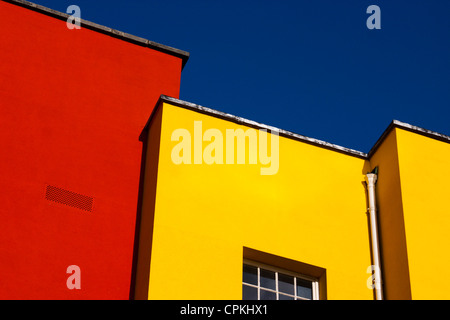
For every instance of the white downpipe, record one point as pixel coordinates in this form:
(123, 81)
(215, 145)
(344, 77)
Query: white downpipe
(371, 179)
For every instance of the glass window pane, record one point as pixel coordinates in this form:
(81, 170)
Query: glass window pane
(285, 283)
(267, 295)
(250, 274)
(249, 293)
(304, 288)
(284, 297)
(267, 279)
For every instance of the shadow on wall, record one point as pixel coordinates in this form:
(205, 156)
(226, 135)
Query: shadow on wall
(150, 139)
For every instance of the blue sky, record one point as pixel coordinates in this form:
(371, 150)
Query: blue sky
(310, 67)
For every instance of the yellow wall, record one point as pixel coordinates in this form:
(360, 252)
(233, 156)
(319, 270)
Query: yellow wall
(395, 270)
(312, 211)
(199, 221)
(425, 171)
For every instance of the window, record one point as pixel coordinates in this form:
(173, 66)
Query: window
(263, 282)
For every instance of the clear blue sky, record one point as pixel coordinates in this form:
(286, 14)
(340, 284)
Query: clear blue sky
(311, 67)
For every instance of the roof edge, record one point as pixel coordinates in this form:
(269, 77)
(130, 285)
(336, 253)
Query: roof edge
(254, 124)
(410, 128)
(298, 137)
(105, 30)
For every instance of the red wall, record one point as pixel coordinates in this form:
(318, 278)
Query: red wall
(72, 106)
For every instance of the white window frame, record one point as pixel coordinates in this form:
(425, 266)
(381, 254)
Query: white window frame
(259, 266)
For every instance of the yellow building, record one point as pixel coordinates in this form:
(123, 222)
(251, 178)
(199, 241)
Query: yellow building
(233, 209)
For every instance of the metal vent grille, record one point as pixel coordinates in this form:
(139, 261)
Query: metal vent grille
(69, 198)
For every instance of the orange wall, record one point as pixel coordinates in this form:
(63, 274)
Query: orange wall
(73, 103)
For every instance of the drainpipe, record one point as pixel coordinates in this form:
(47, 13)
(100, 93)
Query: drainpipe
(371, 179)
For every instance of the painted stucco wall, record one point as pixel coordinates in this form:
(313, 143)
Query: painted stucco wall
(313, 210)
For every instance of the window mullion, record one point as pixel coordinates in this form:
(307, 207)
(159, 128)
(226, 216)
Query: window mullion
(259, 286)
(276, 285)
(278, 295)
(315, 290)
(295, 288)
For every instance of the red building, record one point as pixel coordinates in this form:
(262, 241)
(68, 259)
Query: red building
(73, 104)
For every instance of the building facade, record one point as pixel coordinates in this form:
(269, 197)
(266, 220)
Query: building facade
(203, 222)
(73, 104)
(108, 176)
